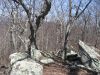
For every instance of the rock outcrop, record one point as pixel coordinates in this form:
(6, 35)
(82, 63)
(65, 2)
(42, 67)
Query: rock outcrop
(22, 65)
(89, 56)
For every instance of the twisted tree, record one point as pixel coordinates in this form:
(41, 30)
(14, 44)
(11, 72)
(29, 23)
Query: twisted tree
(30, 41)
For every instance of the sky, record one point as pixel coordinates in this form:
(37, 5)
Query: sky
(56, 7)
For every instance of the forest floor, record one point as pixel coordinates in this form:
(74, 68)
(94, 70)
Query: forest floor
(55, 69)
(58, 69)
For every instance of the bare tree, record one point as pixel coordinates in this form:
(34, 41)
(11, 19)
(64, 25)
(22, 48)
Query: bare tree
(70, 22)
(30, 41)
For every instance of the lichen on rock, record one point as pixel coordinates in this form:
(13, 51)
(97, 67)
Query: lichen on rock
(26, 66)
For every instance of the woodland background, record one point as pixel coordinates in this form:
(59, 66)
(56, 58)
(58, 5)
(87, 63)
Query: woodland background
(50, 35)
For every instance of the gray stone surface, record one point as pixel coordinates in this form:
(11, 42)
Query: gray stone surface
(26, 66)
(47, 60)
(89, 50)
(89, 56)
(36, 55)
(23, 65)
(17, 56)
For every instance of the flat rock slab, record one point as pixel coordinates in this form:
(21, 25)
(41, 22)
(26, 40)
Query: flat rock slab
(89, 50)
(89, 56)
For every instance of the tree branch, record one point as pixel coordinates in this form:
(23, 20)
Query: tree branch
(77, 9)
(84, 9)
(43, 13)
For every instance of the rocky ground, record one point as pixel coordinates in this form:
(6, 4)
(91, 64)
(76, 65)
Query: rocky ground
(58, 69)
(55, 69)
(36, 65)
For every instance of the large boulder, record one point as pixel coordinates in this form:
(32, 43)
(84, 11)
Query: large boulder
(89, 56)
(21, 65)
